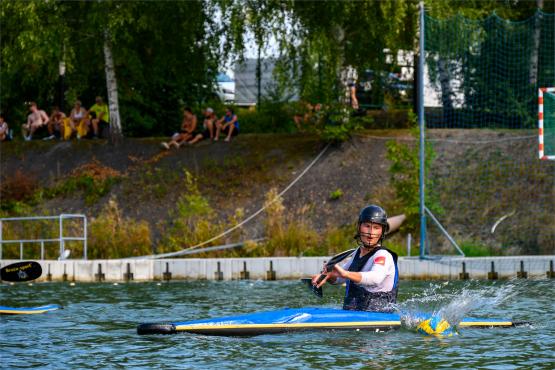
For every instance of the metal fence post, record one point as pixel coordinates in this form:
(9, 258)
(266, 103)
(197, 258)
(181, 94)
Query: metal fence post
(85, 236)
(61, 235)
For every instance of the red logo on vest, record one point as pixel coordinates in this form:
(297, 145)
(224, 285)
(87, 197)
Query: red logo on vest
(380, 260)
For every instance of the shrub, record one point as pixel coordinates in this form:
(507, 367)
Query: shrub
(192, 222)
(472, 248)
(336, 194)
(113, 236)
(94, 179)
(17, 188)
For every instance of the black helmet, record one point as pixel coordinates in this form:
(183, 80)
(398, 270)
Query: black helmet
(374, 214)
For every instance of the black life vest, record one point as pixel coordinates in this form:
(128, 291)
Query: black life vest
(359, 299)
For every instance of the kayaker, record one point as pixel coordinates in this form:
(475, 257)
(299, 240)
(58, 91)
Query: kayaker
(371, 275)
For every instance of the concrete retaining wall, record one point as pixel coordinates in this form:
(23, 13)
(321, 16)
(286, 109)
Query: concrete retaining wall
(283, 268)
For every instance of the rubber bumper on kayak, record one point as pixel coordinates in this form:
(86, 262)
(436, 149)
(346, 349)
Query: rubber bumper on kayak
(150, 328)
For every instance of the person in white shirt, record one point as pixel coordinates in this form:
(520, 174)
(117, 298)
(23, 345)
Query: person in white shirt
(371, 274)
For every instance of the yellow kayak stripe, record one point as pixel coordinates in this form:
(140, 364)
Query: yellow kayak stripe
(485, 323)
(20, 312)
(285, 326)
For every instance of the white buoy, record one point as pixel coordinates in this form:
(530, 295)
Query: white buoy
(71, 284)
(116, 284)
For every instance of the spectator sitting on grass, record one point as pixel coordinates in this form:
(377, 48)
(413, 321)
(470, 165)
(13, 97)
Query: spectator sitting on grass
(100, 116)
(4, 130)
(228, 124)
(36, 119)
(56, 124)
(311, 116)
(188, 126)
(208, 127)
(79, 118)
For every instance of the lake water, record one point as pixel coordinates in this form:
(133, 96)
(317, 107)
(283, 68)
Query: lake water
(97, 327)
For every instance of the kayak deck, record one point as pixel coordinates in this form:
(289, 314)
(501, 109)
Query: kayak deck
(5, 310)
(289, 320)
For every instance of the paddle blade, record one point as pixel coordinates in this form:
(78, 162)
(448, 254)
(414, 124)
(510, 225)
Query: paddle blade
(21, 271)
(317, 291)
(436, 326)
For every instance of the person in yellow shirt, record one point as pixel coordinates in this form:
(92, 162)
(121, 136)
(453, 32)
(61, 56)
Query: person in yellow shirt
(100, 115)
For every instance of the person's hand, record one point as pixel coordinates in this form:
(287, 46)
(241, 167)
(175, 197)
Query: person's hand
(340, 271)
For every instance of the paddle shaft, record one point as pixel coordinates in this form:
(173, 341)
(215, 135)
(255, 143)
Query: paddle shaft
(332, 262)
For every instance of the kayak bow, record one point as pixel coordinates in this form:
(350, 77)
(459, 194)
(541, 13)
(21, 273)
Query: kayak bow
(5, 310)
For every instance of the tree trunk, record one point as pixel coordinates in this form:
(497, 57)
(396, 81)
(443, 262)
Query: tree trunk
(258, 78)
(533, 75)
(111, 84)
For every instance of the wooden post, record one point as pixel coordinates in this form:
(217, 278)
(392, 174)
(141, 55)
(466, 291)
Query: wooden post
(167, 276)
(100, 275)
(522, 274)
(492, 275)
(271, 274)
(463, 275)
(219, 275)
(550, 274)
(128, 275)
(245, 274)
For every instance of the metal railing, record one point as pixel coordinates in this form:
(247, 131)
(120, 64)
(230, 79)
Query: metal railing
(61, 239)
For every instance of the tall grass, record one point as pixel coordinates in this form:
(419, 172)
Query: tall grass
(111, 235)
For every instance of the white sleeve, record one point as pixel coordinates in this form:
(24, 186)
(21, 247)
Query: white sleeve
(378, 273)
(373, 277)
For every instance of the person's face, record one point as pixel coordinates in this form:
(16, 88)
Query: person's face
(370, 233)
(228, 113)
(77, 106)
(98, 101)
(33, 108)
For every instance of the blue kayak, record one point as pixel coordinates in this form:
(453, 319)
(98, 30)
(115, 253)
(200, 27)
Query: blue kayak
(5, 310)
(298, 319)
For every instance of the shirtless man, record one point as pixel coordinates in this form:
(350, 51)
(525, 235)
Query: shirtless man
(188, 127)
(35, 120)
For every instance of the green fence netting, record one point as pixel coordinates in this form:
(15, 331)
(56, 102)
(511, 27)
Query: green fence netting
(549, 123)
(481, 81)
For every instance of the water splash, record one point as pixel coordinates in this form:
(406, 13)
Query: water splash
(453, 304)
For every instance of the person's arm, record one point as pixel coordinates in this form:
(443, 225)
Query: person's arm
(44, 117)
(376, 275)
(193, 125)
(233, 120)
(332, 277)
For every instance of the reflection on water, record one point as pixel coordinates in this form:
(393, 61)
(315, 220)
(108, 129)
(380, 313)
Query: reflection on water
(97, 328)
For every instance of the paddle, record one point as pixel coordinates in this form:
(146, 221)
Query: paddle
(328, 268)
(21, 271)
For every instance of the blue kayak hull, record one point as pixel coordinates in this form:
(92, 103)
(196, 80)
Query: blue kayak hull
(298, 319)
(5, 310)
